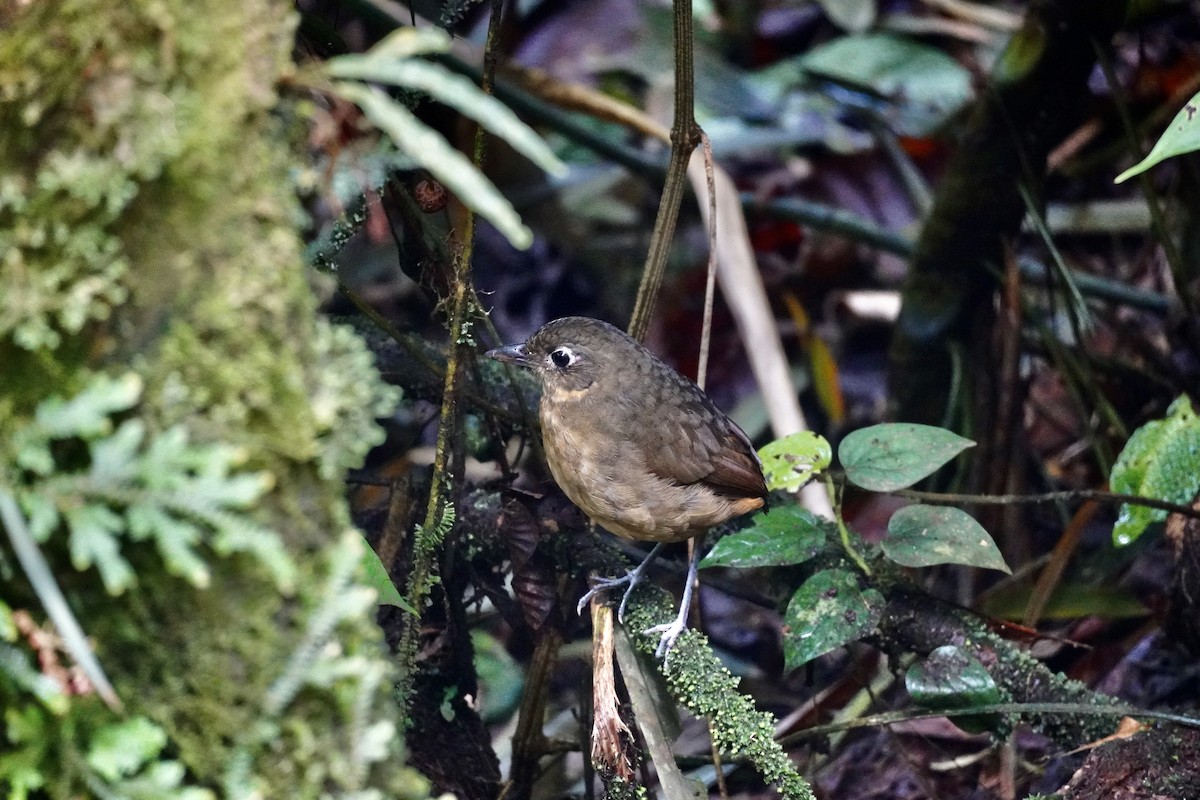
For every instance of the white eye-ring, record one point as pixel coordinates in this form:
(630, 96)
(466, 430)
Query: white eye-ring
(562, 357)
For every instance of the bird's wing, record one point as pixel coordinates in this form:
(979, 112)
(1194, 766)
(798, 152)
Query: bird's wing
(716, 453)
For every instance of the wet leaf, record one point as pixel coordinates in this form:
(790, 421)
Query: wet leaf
(789, 535)
(828, 611)
(921, 536)
(893, 456)
(951, 679)
(1161, 460)
(790, 462)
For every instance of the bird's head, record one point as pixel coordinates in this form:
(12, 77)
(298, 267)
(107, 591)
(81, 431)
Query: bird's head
(570, 354)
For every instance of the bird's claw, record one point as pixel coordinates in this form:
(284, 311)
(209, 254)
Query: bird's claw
(630, 580)
(670, 632)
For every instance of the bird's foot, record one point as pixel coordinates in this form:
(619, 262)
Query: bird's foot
(669, 632)
(629, 580)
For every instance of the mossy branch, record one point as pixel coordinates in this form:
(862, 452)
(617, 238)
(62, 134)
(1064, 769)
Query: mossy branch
(702, 684)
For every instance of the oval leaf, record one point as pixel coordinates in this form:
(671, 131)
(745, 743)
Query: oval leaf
(884, 458)
(1161, 460)
(790, 462)
(828, 611)
(921, 536)
(951, 678)
(1181, 136)
(790, 535)
(924, 85)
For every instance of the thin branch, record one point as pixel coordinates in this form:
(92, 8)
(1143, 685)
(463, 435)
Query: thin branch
(684, 135)
(429, 537)
(1111, 498)
(710, 284)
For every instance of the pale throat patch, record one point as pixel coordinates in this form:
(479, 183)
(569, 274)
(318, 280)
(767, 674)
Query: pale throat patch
(561, 395)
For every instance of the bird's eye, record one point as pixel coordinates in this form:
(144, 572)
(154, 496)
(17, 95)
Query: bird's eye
(562, 357)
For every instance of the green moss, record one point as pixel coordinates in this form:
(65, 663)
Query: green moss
(701, 683)
(147, 220)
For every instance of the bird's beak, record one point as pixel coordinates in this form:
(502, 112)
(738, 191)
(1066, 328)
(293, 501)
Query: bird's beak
(510, 354)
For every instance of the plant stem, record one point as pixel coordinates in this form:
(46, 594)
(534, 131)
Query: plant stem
(843, 531)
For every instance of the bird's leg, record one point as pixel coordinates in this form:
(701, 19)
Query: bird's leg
(670, 632)
(630, 579)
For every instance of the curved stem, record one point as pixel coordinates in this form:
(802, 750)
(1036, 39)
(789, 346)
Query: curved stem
(843, 531)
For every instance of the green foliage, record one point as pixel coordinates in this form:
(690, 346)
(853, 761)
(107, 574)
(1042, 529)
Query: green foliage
(162, 489)
(827, 611)
(126, 756)
(702, 684)
(1161, 460)
(65, 261)
(831, 608)
(1181, 136)
(376, 576)
(852, 15)
(951, 678)
(921, 536)
(884, 458)
(147, 219)
(926, 85)
(790, 462)
(8, 626)
(788, 535)
(393, 62)
(344, 406)
(22, 677)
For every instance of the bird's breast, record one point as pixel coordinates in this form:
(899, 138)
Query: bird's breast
(600, 464)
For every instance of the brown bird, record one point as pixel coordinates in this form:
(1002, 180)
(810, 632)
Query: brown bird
(640, 448)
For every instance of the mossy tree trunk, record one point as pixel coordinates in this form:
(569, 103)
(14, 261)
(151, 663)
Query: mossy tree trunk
(149, 229)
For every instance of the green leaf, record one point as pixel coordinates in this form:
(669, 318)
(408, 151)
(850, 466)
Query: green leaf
(8, 627)
(891, 456)
(828, 611)
(501, 678)
(435, 154)
(950, 679)
(925, 84)
(1070, 600)
(1161, 460)
(456, 92)
(87, 413)
(1181, 136)
(122, 748)
(409, 42)
(790, 462)
(114, 459)
(161, 488)
(16, 667)
(788, 535)
(921, 536)
(43, 515)
(375, 576)
(162, 779)
(175, 537)
(850, 15)
(94, 531)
